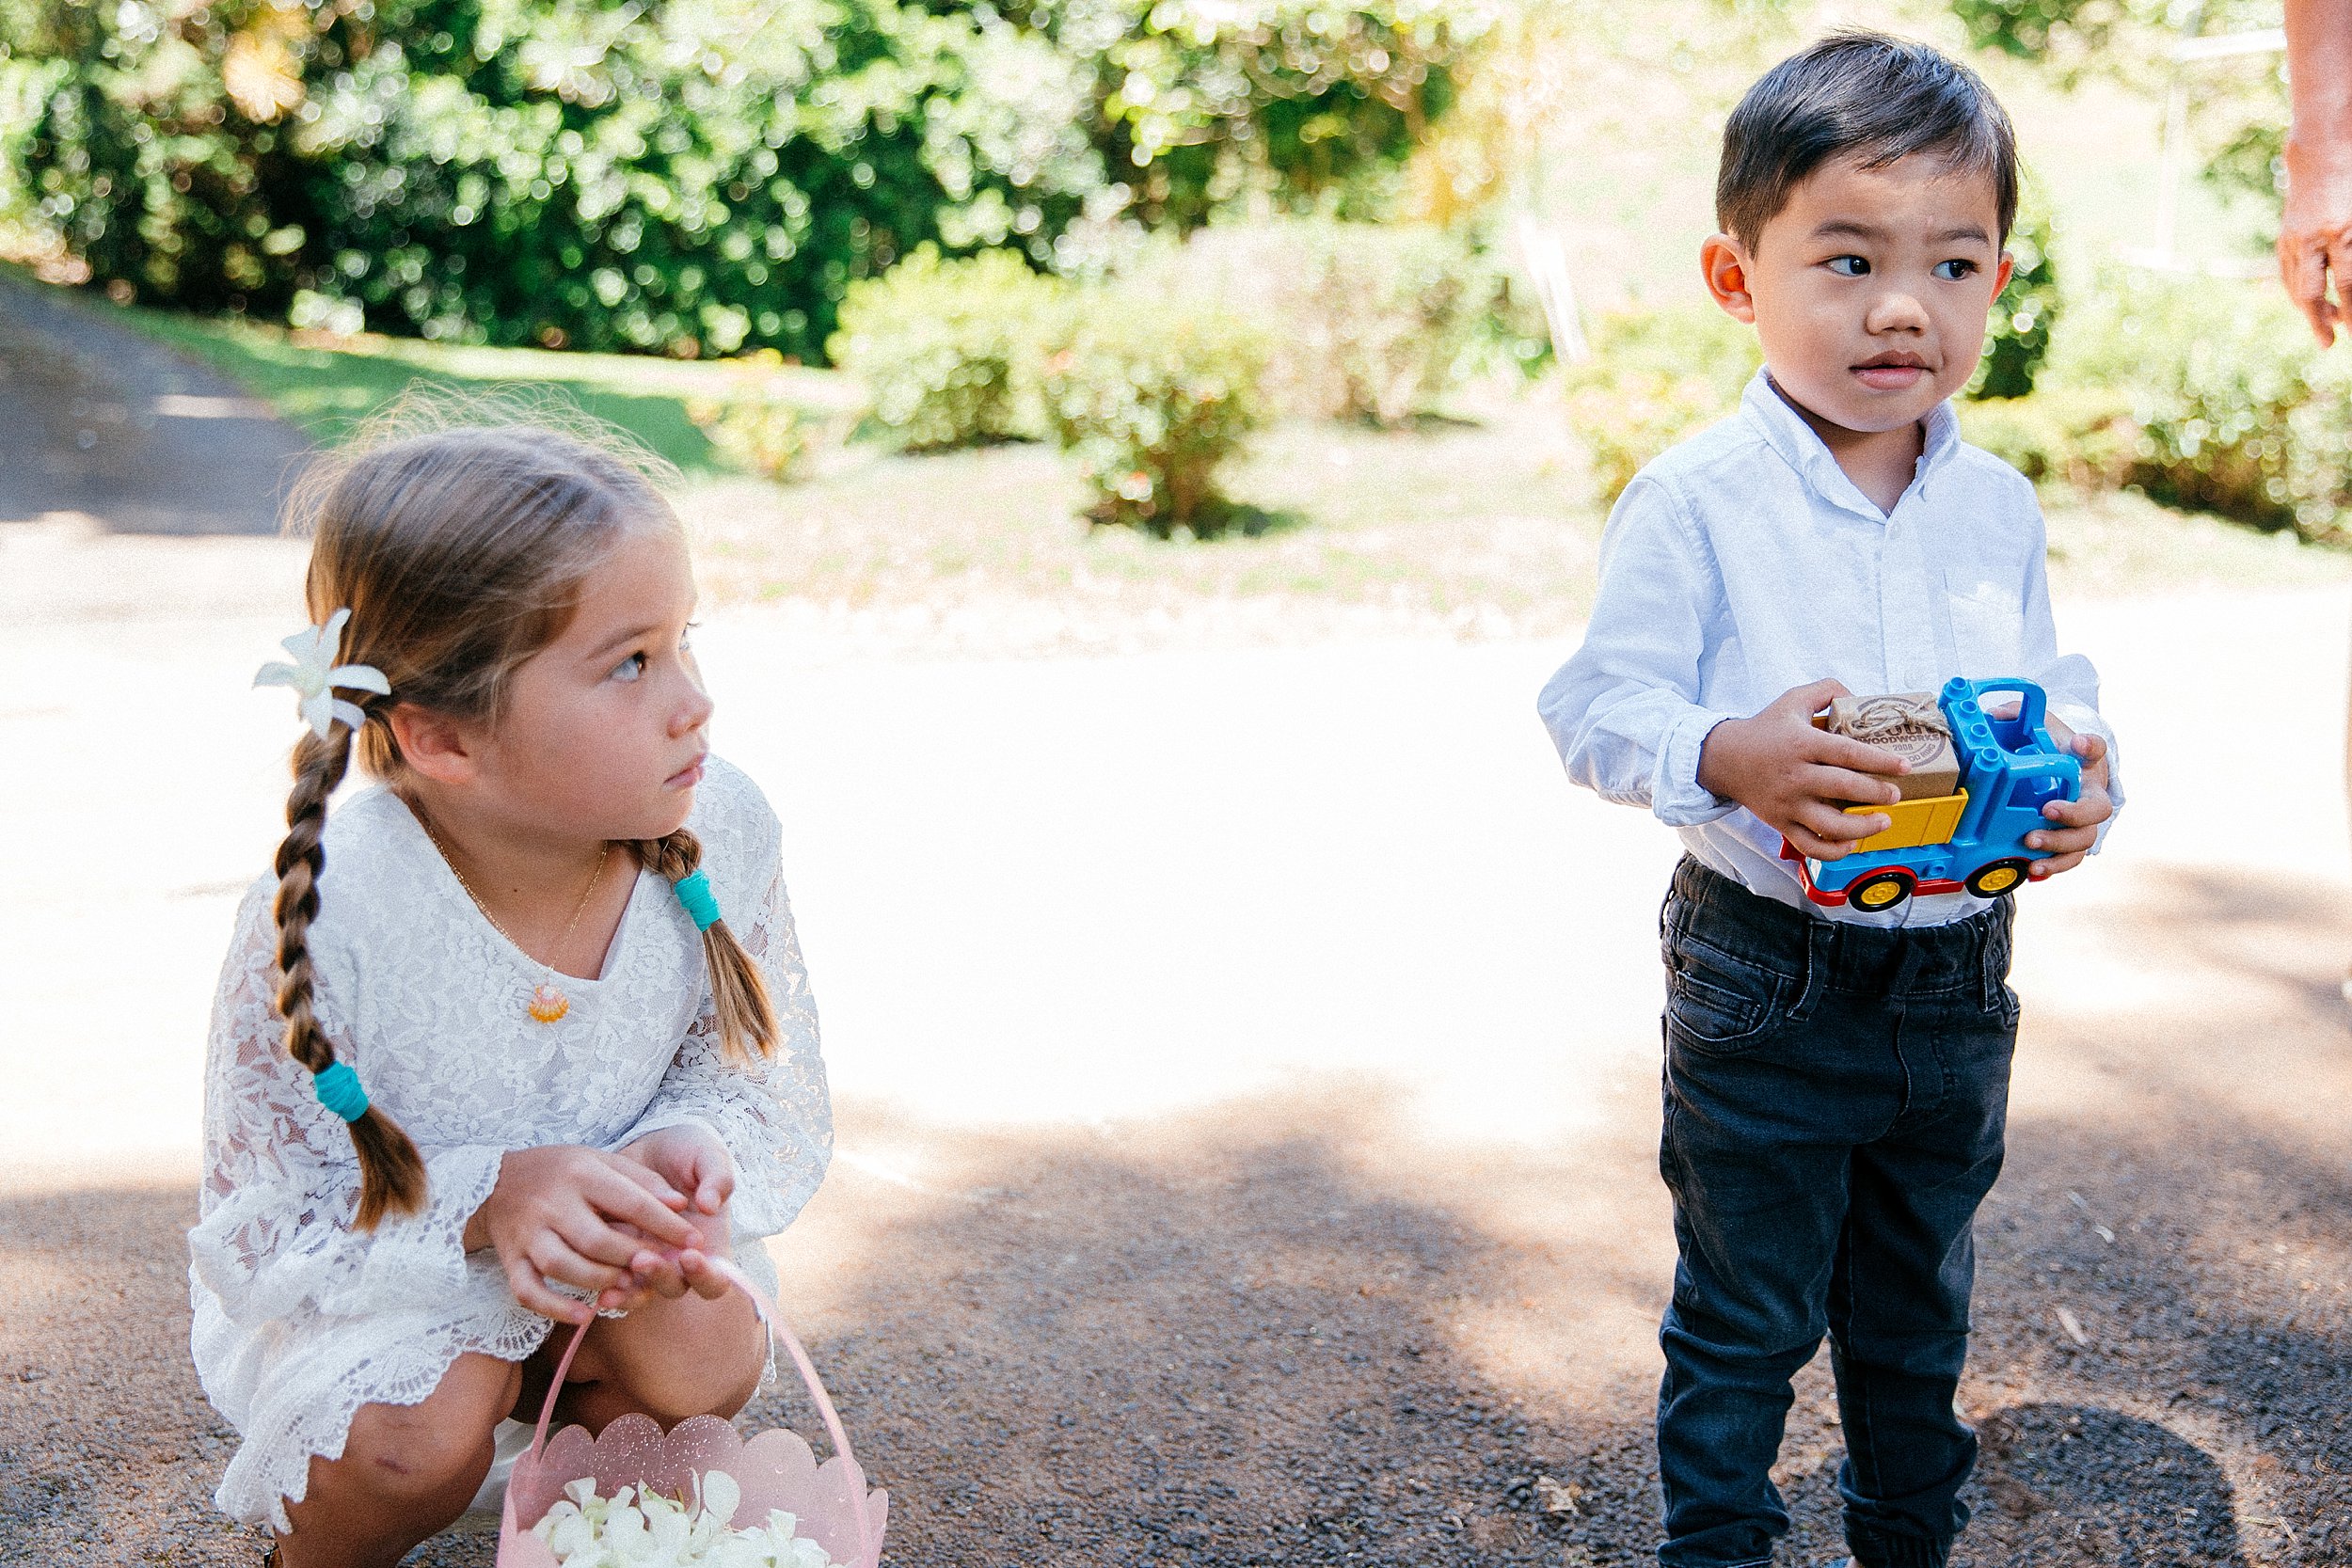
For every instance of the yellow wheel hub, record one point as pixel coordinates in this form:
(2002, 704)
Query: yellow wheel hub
(1998, 880)
(1879, 894)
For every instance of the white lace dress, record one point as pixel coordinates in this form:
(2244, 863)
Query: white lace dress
(299, 1320)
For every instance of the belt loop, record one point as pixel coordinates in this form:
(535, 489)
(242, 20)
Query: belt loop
(1817, 963)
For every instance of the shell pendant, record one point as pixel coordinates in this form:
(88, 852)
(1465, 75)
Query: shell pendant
(547, 1003)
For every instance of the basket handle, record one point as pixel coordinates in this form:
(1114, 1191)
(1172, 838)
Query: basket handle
(782, 1333)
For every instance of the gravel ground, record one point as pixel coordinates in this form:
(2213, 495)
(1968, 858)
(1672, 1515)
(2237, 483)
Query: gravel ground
(1291, 1331)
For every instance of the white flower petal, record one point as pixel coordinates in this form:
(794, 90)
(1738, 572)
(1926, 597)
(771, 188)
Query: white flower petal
(314, 676)
(359, 677)
(319, 711)
(722, 1495)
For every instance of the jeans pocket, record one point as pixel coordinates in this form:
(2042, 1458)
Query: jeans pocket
(1715, 1004)
(2003, 1004)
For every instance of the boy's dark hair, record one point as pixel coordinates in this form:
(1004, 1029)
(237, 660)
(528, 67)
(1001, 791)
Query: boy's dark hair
(1862, 95)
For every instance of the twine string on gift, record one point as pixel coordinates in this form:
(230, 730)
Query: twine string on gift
(782, 1333)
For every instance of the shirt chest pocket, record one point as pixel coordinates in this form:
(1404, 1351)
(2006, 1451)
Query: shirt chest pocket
(1988, 626)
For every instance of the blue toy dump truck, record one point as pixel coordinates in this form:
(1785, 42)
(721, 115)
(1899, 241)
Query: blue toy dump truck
(1973, 839)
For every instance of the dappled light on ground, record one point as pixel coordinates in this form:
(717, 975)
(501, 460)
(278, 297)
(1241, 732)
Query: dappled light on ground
(1298, 1329)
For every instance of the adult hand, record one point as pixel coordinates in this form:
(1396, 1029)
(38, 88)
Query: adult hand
(691, 1160)
(2315, 230)
(2078, 819)
(1799, 779)
(580, 1217)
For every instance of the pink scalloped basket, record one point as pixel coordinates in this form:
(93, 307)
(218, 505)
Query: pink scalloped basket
(775, 1469)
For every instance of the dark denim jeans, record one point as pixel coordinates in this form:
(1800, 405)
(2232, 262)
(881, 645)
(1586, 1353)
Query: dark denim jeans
(1836, 1097)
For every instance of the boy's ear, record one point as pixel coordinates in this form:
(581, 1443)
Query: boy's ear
(2001, 274)
(433, 744)
(1724, 265)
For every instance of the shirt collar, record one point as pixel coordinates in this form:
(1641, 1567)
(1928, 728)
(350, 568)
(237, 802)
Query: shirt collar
(1785, 431)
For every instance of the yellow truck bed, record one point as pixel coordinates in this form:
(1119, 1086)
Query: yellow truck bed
(1916, 823)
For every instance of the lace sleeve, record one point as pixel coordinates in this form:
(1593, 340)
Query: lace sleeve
(281, 1182)
(776, 1116)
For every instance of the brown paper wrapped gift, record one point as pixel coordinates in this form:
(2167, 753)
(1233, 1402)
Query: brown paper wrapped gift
(1910, 725)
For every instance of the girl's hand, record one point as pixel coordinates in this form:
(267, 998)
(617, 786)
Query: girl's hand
(581, 1217)
(691, 1160)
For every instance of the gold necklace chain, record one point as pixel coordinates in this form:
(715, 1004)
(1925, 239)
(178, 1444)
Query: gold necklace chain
(548, 1002)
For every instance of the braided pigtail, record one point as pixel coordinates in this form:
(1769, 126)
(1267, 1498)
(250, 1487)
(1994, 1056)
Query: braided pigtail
(391, 1175)
(747, 1020)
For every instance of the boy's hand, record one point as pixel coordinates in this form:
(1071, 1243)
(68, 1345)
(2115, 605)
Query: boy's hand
(581, 1217)
(2078, 820)
(1799, 779)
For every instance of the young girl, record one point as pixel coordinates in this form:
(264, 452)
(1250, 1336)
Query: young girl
(520, 1035)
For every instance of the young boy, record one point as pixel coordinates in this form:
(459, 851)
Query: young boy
(1836, 1080)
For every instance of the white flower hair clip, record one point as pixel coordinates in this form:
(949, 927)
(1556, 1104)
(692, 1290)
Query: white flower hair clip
(315, 675)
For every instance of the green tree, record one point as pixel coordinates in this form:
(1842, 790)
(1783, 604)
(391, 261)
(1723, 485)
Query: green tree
(679, 175)
(1296, 104)
(704, 173)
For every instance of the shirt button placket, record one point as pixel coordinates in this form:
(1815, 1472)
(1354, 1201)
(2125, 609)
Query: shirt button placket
(1907, 606)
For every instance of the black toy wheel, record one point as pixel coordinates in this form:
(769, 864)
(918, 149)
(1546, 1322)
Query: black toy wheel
(1991, 882)
(1880, 890)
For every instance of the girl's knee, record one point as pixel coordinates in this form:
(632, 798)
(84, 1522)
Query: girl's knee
(707, 1381)
(421, 1450)
(674, 1394)
(735, 1396)
(404, 1460)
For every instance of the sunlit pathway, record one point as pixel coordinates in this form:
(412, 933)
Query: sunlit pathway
(1086, 888)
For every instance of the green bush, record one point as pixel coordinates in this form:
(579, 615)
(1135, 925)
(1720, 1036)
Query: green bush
(1363, 321)
(2017, 340)
(946, 348)
(2231, 406)
(1311, 105)
(756, 427)
(689, 178)
(1654, 376)
(1151, 392)
(2081, 435)
(2203, 393)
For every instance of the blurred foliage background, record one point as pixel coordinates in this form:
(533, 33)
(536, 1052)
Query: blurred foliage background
(687, 176)
(987, 221)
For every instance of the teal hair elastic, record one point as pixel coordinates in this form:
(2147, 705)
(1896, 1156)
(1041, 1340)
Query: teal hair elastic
(338, 1090)
(702, 905)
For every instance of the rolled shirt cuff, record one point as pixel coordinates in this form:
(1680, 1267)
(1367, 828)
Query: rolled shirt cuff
(1676, 797)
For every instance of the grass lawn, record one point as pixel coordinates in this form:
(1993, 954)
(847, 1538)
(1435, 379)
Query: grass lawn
(1484, 527)
(1487, 529)
(1480, 526)
(328, 384)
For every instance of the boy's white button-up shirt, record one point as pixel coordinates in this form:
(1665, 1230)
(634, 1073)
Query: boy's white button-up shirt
(1745, 563)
